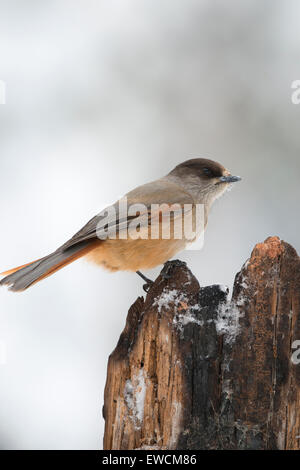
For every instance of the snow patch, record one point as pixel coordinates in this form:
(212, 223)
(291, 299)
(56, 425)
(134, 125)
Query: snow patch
(223, 288)
(176, 424)
(228, 321)
(244, 282)
(183, 312)
(184, 318)
(246, 264)
(167, 297)
(241, 301)
(134, 395)
(189, 279)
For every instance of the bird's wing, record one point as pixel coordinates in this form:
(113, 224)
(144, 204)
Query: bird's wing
(111, 220)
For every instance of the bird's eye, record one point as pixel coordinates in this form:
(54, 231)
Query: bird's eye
(207, 172)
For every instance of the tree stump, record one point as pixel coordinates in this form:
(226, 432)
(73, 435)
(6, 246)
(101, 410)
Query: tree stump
(195, 370)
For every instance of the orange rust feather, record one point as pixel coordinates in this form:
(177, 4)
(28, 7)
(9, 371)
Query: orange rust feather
(64, 263)
(14, 270)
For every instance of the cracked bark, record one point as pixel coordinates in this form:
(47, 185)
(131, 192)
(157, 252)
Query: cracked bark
(194, 370)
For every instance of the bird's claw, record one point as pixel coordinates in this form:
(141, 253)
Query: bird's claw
(148, 285)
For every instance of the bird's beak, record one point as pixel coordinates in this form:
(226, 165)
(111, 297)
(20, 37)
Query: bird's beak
(229, 179)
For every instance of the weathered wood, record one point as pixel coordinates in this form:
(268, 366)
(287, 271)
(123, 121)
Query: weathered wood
(193, 370)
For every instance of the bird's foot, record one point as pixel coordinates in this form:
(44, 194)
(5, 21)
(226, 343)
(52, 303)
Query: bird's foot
(149, 282)
(148, 285)
(166, 272)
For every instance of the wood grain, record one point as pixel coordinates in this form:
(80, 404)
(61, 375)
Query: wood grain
(195, 370)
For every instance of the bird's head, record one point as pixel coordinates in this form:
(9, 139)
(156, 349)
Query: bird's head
(205, 179)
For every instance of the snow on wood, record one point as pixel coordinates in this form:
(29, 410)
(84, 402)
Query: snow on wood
(196, 370)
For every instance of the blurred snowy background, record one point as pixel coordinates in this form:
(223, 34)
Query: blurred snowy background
(103, 95)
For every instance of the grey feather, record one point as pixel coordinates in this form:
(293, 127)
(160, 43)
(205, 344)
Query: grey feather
(22, 279)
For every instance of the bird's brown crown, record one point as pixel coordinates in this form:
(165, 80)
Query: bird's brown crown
(201, 167)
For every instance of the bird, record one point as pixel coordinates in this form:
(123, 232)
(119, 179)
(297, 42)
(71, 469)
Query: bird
(104, 239)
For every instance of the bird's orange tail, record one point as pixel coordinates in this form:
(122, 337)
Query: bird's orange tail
(11, 271)
(22, 277)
